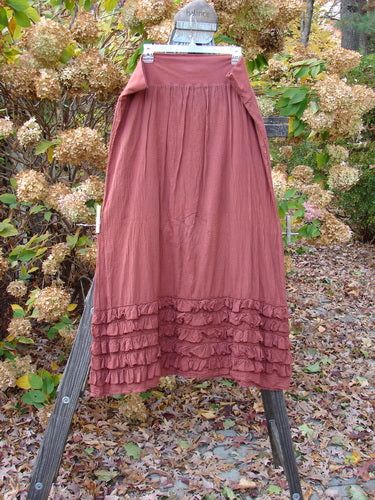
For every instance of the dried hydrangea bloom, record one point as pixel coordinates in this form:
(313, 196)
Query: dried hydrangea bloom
(311, 212)
(161, 32)
(133, 408)
(318, 196)
(87, 256)
(342, 176)
(288, 263)
(82, 146)
(29, 133)
(252, 28)
(8, 375)
(289, 10)
(281, 167)
(90, 72)
(259, 14)
(32, 186)
(19, 327)
(92, 188)
(266, 105)
(279, 181)
(332, 92)
(55, 193)
(68, 334)
(58, 253)
(6, 127)
(4, 264)
(303, 173)
(276, 69)
(129, 14)
(23, 364)
(286, 151)
(85, 29)
(363, 98)
(337, 153)
(46, 41)
(44, 413)
(18, 77)
(230, 5)
(340, 60)
(51, 303)
(347, 103)
(153, 11)
(73, 207)
(271, 39)
(333, 231)
(251, 50)
(168, 382)
(17, 288)
(47, 85)
(317, 120)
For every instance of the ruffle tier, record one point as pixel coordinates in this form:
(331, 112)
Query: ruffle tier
(243, 339)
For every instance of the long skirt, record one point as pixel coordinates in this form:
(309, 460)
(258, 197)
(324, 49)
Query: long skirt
(190, 275)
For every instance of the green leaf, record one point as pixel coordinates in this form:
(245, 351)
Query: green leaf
(18, 313)
(42, 146)
(109, 5)
(18, 5)
(224, 38)
(72, 240)
(306, 430)
(322, 159)
(299, 95)
(315, 70)
(66, 55)
(300, 73)
(32, 397)
(105, 475)
(8, 199)
(36, 209)
(132, 450)
(47, 216)
(229, 493)
(314, 368)
(22, 19)
(227, 382)
(274, 488)
(183, 444)
(3, 18)
(7, 230)
(36, 382)
(25, 340)
(357, 493)
(48, 385)
(16, 307)
(22, 253)
(69, 4)
(228, 423)
(32, 14)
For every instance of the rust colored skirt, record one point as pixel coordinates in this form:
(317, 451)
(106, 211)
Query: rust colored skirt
(190, 274)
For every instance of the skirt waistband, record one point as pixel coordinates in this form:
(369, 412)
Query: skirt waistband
(187, 69)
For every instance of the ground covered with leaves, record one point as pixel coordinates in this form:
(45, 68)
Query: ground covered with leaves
(208, 439)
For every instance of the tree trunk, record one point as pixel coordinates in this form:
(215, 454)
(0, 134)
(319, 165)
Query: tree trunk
(306, 21)
(351, 38)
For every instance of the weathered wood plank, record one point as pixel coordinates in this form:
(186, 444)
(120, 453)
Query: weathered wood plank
(71, 385)
(276, 126)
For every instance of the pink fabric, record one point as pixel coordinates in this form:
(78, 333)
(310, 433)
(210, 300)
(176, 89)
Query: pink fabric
(190, 273)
